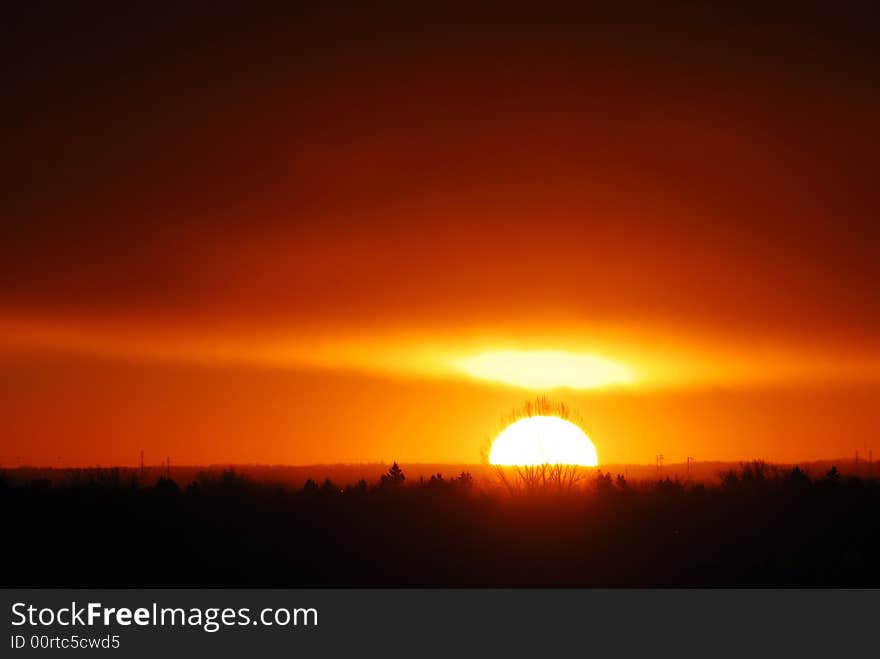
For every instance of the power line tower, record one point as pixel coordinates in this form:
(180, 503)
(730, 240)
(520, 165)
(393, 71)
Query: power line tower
(690, 461)
(142, 465)
(659, 461)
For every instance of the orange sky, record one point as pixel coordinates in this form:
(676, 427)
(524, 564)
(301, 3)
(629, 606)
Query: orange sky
(279, 238)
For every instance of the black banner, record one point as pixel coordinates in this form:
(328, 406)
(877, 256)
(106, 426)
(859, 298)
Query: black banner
(142, 623)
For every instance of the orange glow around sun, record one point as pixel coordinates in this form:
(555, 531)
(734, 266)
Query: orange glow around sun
(222, 273)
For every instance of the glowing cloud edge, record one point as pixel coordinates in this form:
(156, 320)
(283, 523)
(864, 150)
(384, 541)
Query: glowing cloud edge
(545, 369)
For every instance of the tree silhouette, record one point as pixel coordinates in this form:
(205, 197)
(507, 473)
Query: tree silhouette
(797, 480)
(394, 477)
(549, 477)
(540, 478)
(465, 480)
(833, 475)
(359, 489)
(166, 487)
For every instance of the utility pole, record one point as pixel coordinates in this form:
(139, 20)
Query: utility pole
(659, 460)
(689, 462)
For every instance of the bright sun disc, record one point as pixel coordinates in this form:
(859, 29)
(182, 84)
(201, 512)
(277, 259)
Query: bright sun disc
(538, 440)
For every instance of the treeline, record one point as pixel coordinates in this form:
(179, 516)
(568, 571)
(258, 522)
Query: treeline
(230, 479)
(749, 475)
(760, 525)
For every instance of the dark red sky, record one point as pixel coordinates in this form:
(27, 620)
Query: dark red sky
(698, 176)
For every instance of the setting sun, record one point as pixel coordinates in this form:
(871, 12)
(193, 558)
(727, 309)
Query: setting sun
(538, 440)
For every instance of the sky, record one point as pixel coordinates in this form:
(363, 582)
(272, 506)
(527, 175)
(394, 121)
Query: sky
(340, 234)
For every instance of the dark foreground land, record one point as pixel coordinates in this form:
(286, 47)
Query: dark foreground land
(758, 526)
